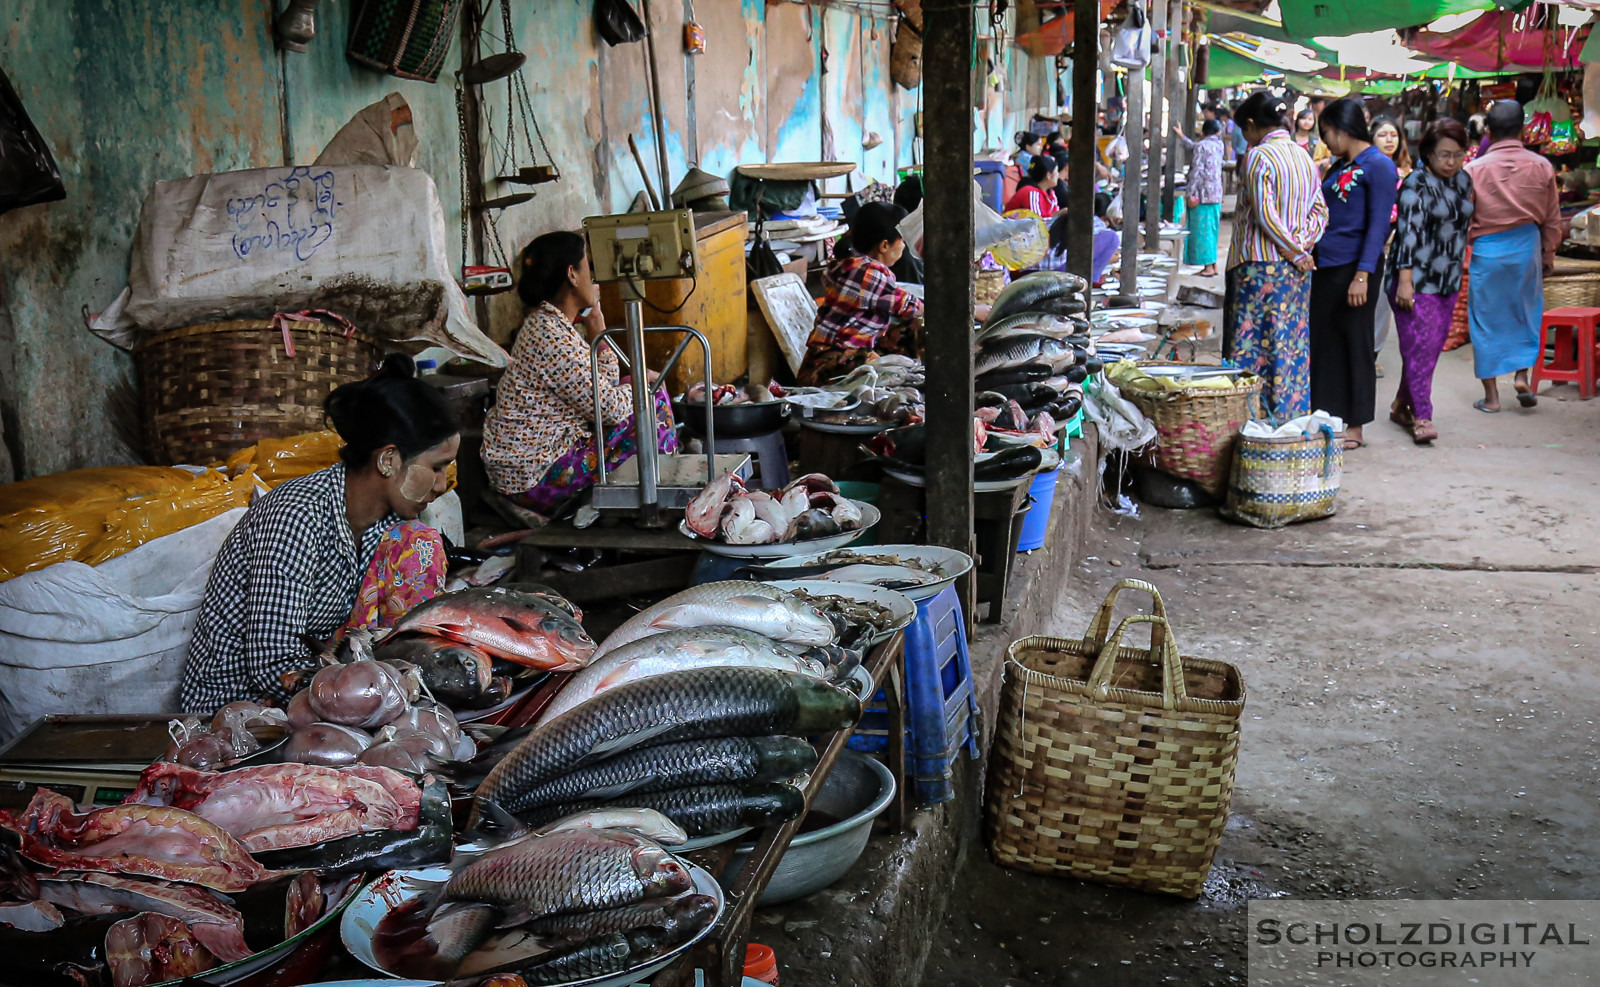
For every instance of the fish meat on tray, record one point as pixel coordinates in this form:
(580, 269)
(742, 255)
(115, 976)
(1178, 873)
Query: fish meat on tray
(705, 810)
(811, 506)
(146, 840)
(518, 627)
(674, 651)
(215, 922)
(750, 606)
(275, 806)
(151, 948)
(687, 705)
(710, 761)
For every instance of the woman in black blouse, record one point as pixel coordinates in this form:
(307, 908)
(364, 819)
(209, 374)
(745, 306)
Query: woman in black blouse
(1430, 241)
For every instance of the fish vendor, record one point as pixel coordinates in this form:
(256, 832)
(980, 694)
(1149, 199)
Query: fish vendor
(866, 314)
(539, 447)
(331, 552)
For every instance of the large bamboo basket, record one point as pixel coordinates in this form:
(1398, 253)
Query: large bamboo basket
(1197, 428)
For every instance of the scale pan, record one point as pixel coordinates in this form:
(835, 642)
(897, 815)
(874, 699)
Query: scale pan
(492, 68)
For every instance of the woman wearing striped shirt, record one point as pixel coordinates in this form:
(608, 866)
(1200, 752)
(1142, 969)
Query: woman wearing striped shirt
(1278, 219)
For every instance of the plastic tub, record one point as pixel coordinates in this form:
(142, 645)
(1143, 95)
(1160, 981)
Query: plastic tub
(1037, 523)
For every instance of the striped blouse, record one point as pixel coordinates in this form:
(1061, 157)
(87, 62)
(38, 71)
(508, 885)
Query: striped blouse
(1280, 213)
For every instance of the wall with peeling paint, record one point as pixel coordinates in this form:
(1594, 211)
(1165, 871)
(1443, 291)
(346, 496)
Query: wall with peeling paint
(131, 92)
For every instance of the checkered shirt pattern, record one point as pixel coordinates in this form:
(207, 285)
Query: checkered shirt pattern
(862, 300)
(289, 571)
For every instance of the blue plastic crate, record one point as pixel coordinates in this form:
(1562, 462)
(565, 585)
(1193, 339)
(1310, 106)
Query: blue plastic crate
(941, 707)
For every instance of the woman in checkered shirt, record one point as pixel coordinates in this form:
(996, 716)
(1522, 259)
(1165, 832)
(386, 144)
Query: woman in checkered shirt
(330, 552)
(866, 314)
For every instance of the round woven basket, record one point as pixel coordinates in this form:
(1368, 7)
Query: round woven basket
(209, 390)
(1196, 429)
(1576, 290)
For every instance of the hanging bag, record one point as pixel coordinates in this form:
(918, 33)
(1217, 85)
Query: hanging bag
(1131, 49)
(28, 173)
(617, 22)
(1114, 763)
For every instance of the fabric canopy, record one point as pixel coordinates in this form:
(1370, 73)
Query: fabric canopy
(1229, 68)
(1442, 71)
(1505, 40)
(1320, 18)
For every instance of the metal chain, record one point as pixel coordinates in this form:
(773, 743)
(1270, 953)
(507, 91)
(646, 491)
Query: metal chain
(466, 191)
(519, 94)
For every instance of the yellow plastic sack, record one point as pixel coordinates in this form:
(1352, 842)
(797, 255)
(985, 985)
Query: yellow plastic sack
(277, 460)
(97, 514)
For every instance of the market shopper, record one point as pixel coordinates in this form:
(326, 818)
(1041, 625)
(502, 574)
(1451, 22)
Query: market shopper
(1386, 137)
(327, 553)
(1028, 146)
(1203, 198)
(1430, 241)
(1516, 227)
(1037, 191)
(1305, 135)
(1278, 219)
(1360, 192)
(539, 444)
(865, 312)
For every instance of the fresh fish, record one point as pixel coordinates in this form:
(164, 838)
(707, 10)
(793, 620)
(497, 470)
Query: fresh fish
(571, 871)
(1009, 354)
(887, 576)
(699, 647)
(768, 508)
(648, 823)
(597, 957)
(1027, 324)
(417, 940)
(689, 705)
(716, 760)
(550, 596)
(705, 810)
(457, 674)
(684, 915)
(704, 513)
(1027, 292)
(517, 627)
(1013, 375)
(756, 607)
(216, 923)
(741, 526)
(813, 523)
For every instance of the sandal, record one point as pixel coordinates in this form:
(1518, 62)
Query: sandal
(1350, 444)
(1525, 396)
(1423, 432)
(1401, 416)
(1485, 408)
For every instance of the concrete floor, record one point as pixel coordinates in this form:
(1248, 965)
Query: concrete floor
(1422, 672)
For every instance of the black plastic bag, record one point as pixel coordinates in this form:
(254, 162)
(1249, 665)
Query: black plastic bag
(617, 22)
(28, 173)
(762, 261)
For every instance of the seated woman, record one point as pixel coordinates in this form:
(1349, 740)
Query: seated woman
(333, 551)
(539, 446)
(1037, 192)
(865, 314)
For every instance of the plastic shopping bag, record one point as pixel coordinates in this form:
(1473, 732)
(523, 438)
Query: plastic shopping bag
(1131, 48)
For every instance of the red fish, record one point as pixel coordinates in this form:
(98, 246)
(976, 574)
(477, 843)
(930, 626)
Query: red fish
(146, 840)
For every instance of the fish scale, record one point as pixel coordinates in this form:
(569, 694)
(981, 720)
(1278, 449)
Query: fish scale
(597, 957)
(688, 705)
(718, 760)
(572, 871)
(686, 913)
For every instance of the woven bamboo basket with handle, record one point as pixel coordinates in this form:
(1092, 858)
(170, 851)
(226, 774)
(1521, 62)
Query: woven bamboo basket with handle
(1114, 763)
(1197, 428)
(209, 390)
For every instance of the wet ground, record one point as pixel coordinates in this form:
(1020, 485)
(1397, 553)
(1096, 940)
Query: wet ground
(1422, 671)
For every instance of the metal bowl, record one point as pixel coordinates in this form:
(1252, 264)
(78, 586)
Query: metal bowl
(733, 421)
(949, 562)
(778, 550)
(856, 792)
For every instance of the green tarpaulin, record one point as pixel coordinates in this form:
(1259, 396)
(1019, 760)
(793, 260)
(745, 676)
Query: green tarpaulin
(1335, 18)
(1462, 72)
(1228, 68)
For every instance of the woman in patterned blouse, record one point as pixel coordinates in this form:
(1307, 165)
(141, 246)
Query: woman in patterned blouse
(539, 446)
(1430, 245)
(1203, 197)
(332, 551)
(865, 313)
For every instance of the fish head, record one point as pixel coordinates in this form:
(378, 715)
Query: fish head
(473, 665)
(663, 873)
(782, 757)
(689, 914)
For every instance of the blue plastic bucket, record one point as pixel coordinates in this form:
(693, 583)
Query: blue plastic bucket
(1034, 526)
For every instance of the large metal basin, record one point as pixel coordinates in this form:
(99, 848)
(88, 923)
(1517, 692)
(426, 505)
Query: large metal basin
(856, 792)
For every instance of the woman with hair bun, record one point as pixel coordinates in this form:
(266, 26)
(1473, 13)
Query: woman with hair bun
(539, 446)
(327, 553)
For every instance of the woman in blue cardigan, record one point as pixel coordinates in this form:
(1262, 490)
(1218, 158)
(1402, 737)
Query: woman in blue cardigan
(1360, 192)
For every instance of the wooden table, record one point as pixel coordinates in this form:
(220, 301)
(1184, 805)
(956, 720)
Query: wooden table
(721, 954)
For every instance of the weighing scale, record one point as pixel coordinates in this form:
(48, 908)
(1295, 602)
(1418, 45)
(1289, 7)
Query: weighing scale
(630, 249)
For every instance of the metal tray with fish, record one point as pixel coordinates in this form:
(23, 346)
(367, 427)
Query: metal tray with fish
(389, 892)
(946, 564)
(779, 550)
(901, 611)
(847, 428)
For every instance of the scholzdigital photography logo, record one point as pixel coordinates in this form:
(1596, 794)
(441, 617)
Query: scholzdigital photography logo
(1477, 943)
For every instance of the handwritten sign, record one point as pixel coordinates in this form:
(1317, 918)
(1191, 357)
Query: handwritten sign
(293, 214)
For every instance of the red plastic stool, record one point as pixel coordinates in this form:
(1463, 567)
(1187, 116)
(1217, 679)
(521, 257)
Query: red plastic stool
(1574, 329)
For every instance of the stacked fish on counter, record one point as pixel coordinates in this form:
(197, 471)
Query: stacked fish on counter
(811, 506)
(887, 389)
(688, 723)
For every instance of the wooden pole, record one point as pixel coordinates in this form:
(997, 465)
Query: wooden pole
(1080, 154)
(1158, 97)
(1169, 168)
(947, 54)
(472, 152)
(1132, 182)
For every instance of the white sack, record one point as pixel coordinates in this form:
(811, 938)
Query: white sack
(366, 241)
(111, 638)
(380, 134)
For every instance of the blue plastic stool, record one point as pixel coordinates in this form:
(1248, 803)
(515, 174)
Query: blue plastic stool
(771, 458)
(941, 707)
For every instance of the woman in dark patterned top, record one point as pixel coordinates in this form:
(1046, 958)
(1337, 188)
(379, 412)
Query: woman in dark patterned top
(1429, 244)
(326, 553)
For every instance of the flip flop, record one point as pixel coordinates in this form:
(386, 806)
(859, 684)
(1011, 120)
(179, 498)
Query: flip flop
(1350, 444)
(1527, 398)
(1488, 411)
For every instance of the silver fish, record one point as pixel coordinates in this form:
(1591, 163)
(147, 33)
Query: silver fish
(1015, 353)
(698, 647)
(751, 606)
(889, 576)
(645, 822)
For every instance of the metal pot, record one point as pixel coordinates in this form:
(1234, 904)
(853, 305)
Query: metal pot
(857, 791)
(733, 421)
